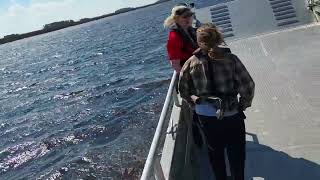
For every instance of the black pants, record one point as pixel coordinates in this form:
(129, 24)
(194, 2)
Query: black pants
(196, 131)
(229, 134)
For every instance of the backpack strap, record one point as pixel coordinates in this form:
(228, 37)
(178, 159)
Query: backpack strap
(192, 39)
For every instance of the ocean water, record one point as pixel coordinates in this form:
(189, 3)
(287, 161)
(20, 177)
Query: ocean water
(83, 102)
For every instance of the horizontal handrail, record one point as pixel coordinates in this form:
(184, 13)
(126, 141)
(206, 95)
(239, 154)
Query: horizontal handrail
(150, 159)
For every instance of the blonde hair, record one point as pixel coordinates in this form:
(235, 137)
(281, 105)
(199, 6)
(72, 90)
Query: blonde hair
(171, 20)
(208, 37)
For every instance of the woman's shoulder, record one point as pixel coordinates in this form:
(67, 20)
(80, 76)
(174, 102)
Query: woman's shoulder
(230, 56)
(193, 60)
(190, 63)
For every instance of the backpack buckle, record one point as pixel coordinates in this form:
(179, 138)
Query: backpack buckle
(217, 103)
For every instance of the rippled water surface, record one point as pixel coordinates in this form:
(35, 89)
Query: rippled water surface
(83, 102)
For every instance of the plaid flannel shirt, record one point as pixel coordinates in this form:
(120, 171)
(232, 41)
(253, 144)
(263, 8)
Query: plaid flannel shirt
(229, 78)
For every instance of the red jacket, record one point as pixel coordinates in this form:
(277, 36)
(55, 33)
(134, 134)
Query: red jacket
(176, 48)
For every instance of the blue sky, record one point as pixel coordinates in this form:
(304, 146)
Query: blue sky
(19, 16)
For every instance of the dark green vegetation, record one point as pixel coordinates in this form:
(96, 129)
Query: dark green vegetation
(68, 23)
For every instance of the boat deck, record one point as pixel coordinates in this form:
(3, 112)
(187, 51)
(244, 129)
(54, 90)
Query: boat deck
(283, 124)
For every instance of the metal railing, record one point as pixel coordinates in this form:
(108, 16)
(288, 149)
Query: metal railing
(148, 167)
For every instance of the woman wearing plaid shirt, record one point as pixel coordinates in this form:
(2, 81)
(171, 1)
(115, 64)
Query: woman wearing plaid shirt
(210, 82)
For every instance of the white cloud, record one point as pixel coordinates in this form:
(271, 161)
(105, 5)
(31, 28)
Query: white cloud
(24, 18)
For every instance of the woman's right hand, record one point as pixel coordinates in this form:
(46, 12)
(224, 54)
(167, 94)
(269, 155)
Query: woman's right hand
(196, 99)
(176, 65)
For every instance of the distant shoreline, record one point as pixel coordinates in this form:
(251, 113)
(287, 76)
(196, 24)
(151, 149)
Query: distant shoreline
(68, 23)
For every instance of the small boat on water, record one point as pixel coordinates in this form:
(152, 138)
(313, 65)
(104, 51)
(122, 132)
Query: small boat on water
(278, 41)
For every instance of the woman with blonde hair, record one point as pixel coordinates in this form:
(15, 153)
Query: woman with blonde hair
(182, 37)
(181, 44)
(210, 82)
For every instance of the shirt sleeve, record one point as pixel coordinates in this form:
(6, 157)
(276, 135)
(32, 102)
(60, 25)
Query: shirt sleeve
(244, 84)
(174, 46)
(185, 83)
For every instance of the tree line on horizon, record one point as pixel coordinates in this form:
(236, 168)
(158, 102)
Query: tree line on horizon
(67, 23)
